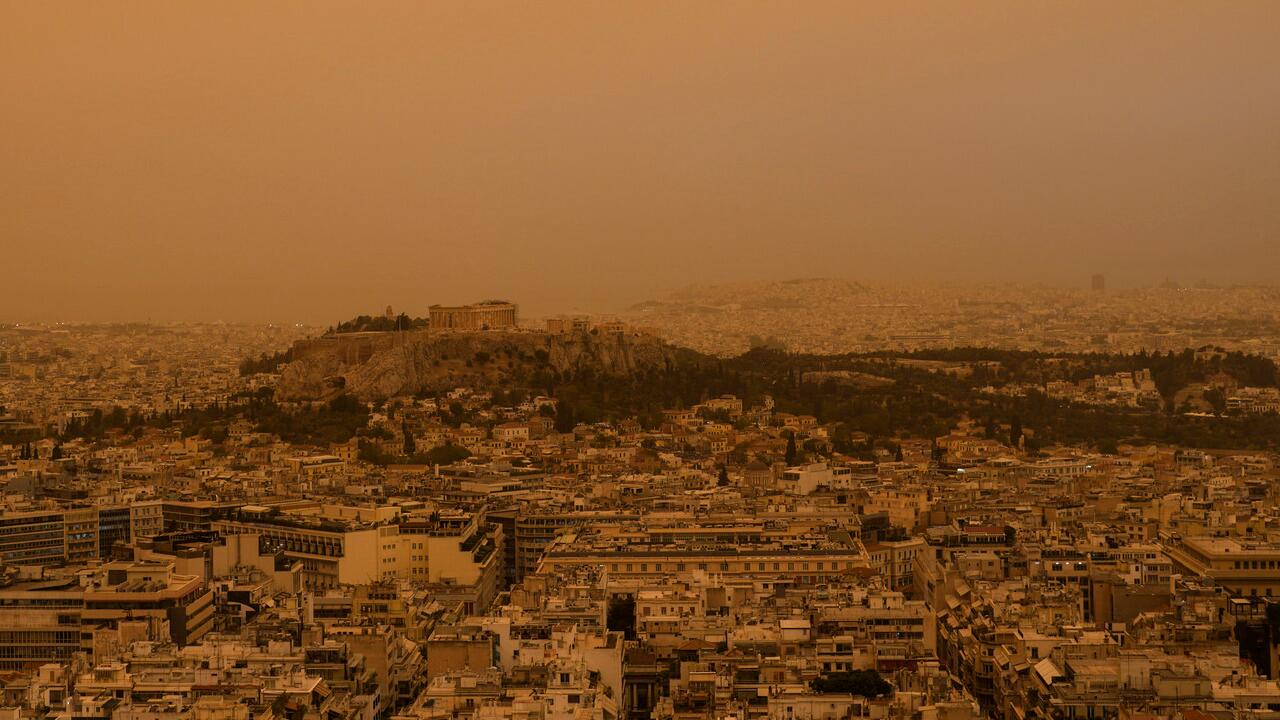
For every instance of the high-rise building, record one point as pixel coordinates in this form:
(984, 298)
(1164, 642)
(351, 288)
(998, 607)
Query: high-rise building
(1099, 282)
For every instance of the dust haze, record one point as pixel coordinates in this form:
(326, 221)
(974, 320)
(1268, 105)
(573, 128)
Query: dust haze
(300, 161)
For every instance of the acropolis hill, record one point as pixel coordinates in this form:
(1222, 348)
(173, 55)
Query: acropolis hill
(379, 365)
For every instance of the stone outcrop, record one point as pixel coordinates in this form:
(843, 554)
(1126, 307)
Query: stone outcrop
(375, 366)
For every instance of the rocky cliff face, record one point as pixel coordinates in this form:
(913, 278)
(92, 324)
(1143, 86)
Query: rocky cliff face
(381, 365)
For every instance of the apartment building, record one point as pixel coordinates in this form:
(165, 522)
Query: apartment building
(340, 545)
(33, 538)
(149, 590)
(894, 560)
(527, 533)
(40, 622)
(74, 534)
(332, 551)
(48, 620)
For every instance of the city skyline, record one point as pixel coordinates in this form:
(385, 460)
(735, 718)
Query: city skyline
(637, 307)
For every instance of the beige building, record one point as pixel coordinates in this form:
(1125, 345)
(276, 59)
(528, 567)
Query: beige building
(903, 505)
(894, 560)
(74, 535)
(342, 545)
(46, 621)
(451, 649)
(797, 554)
(1242, 567)
(136, 590)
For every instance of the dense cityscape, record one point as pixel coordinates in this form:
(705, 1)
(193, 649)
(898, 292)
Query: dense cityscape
(705, 360)
(824, 315)
(473, 515)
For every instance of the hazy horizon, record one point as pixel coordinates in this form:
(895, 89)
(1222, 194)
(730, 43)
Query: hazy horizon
(308, 162)
(629, 308)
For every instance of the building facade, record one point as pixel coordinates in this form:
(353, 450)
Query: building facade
(487, 315)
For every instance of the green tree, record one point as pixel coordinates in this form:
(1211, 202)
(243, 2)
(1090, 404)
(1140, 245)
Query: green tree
(1015, 432)
(216, 433)
(446, 454)
(1217, 399)
(565, 420)
(865, 683)
(409, 447)
(790, 456)
(371, 453)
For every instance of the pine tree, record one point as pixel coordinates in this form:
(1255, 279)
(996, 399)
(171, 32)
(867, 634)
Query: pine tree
(1015, 432)
(724, 476)
(408, 438)
(791, 449)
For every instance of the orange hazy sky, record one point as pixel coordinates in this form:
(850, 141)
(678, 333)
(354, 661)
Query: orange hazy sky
(311, 160)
